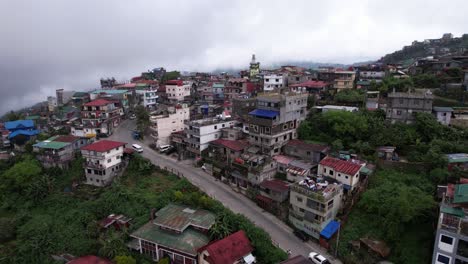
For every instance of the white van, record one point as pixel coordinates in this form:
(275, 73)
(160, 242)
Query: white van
(137, 148)
(164, 148)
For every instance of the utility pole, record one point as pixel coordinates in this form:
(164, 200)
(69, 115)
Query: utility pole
(337, 239)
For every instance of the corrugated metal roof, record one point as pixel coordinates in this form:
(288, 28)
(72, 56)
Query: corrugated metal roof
(264, 113)
(461, 193)
(51, 144)
(180, 217)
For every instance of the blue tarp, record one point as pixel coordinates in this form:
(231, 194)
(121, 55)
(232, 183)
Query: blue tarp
(330, 229)
(19, 124)
(264, 113)
(24, 133)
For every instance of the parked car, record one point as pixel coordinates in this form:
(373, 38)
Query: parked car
(318, 259)
(164, 148)
(137, 148)
(303, 236)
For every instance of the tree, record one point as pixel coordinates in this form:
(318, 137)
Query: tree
(124, 260)
(12, 116)
(221, 228)
(20, 175)
(351, 96)
(172, 75)
(7, 229)
(142, 121)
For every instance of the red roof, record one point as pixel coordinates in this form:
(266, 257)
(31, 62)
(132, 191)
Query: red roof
(275, 185)
(67, 138)
(308, 146)
(175, 82)
(228, 249)
(310, 84)
(98, 102)
(90, 260)
(103, 145)
(236, 145)
(343, 166)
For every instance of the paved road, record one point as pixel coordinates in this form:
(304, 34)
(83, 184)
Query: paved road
(279, 232)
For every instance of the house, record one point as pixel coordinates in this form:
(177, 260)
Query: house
(343, 171)
(451, 240)
(233, 249)
(175, 231)
(344, 80)
(119, 95)
(177, 90)
(296, 78)
(312, 152)
(225, 150)
(275, 81)
(311, 86)
(314, 204)
(80, 98)
(20, 132)
(171, 121)
(98, 117)
(275, 120)
(402, 107)
(201, 132)
(147, 97)
(104, 161)
(283, 162)
(251, 168)
(119, 222)
(273, 197)
(459, 160)
(58, 151)
(51, 103)
(298, 170)
(63, 97)
(387, 153)
(218, 92)
(443, 114)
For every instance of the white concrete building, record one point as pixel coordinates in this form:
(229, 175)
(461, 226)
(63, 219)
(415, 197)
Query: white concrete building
(443, 114)
(176, 90)
(51, 103)
(343, 171)
(148, 97)
(201, 132)
(162, 126)
(103, 161)
(274, 81)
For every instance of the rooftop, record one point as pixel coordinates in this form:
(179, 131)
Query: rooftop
(51, 144)
(461, 193)
(99, 102)
(103, 145)
(109, 91)
(179, 217)
(316, 189)
(66, 138)
(457, 158)
(343, 166)
(310, 84)
(188, 241)
(229, 249)
(175, 82)
(411, 95)
(236, 145)
(207, 121)
(19, 124)
(308, 146)
(283, 159)
(264, 113)
(442, 109)
(276, 185)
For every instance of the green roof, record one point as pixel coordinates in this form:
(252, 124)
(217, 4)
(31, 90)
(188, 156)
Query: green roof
(47, 144)
(442, 109)
(189, 241)
(363, 82)
(457, 158)
(461, 193)
(365, 170)
(32, 117)
(453, 211)
(108, 91)
(218, 85)
(179, 217)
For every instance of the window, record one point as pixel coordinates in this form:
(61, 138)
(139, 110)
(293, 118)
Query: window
(285, 126)
(215, 127)
(89, 170)
(446, 239)
(416, 101)
(109, 161)
(108, 151)
(223, 125)
(324, 170)
(346, 177)
(301, 210)
(308, 152)
(97, 180)
(442, 259)
(331, 172)
(339, 174)
(398, 112)
(299, 199)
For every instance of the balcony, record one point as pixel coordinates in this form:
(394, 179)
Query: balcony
(54, 158)
(91, 155)
(261, 121)
(453, 224)
(94, 166)
(313, 194)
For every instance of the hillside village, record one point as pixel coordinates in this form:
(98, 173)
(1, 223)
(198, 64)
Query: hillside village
(360, 164)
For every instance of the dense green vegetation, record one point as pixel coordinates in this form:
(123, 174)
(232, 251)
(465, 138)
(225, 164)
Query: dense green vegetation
(41, 214)
(142, 119)
(351, 96)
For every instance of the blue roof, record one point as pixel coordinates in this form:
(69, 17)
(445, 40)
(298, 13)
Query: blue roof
(24, 133)
(264, 113)
(18, 124)
(330, 229)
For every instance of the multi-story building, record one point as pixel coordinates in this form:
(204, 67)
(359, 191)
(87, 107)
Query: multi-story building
(344, 80)
(301, 78)
(442, 114)
(306, 151)
(218, 92)
(58, 151)
(275, 120)
(451, 240)
(163, 125)
(148, 97)
(177, 90)
(51, 103)
(250, 169)
(275, 81)
(343, 171)
(201, 132)
(241, 107)
(233, 249)
(175, 231)
(120, 95)
(98, 117)
(313, 205)
(104, 161)
(63, 97)
(402, 107)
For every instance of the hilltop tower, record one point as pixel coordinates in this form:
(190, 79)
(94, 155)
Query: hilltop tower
(254, 67)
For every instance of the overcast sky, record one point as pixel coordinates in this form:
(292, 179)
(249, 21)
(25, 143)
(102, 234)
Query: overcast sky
(71, 44)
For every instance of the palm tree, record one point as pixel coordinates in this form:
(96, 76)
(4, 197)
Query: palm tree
(111, 245)
(221, 228)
